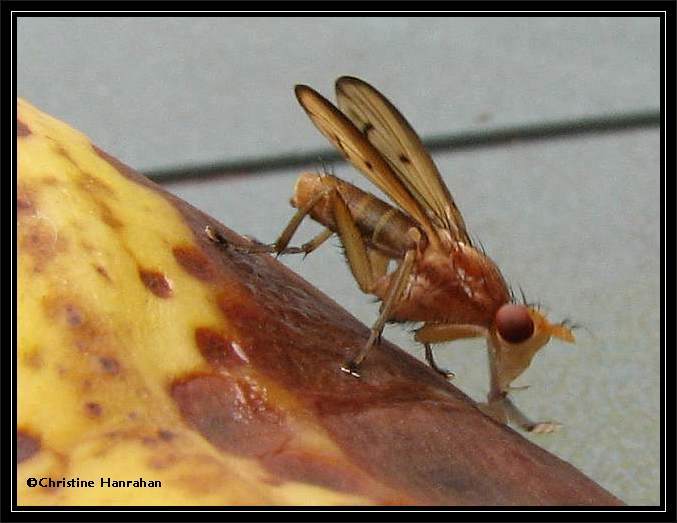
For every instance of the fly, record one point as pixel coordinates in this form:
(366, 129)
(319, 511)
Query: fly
(440, 278)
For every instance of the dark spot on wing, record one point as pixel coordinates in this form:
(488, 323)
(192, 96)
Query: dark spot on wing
(404, 159)
(339, 143)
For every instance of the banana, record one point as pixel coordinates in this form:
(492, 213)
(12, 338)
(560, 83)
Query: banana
(156, 367)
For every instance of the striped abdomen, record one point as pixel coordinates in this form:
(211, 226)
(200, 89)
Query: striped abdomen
(382, 226)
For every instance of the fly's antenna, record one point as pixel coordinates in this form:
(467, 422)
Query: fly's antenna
(567, 322)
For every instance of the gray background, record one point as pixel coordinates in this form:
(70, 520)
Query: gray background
(574, 221)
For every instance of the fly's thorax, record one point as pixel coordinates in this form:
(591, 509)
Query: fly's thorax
(478, 277)
(459, 286)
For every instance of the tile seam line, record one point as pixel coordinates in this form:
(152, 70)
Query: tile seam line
(487, 137)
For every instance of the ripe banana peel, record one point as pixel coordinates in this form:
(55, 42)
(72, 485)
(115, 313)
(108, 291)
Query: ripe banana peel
(148, 353)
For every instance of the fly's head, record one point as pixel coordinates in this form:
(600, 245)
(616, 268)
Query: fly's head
(518, 332)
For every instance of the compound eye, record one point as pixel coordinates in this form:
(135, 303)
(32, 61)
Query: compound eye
(514, 323)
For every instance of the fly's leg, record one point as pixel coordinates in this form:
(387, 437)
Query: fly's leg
(441, 332)
(537, 427)
(446, 373)
(281, 244)
(504, 410)
(393, 295)
(356, 251)
(501, 408)
(379, 263)
(311, 245)
(367, 268)
(366, 265)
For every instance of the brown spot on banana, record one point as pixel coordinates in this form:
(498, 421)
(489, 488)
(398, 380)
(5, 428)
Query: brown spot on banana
(22, 130)
(39, 239)
(233, 414)
(27, 445)
(194, 262)
(103, 272)
(217, 350)
(24, 201)
(109, 364)
(157, 283)
(93, 409)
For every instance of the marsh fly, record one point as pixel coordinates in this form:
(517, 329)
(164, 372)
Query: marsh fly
(441, 279)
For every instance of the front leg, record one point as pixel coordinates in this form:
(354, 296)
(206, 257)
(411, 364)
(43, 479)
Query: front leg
(537, 427)
(501, 408)
(504, 410)
(441, 332)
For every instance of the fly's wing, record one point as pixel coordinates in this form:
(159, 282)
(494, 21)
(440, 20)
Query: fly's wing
(388, 131)
(362, 154)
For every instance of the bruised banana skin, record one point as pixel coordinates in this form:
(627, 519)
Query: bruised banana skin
(116, 314)
(145, 351)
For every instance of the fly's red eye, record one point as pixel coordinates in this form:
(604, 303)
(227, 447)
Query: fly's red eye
(514, 323)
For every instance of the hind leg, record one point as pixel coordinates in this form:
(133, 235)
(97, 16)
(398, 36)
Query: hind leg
(366, 270)
(393, 295)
